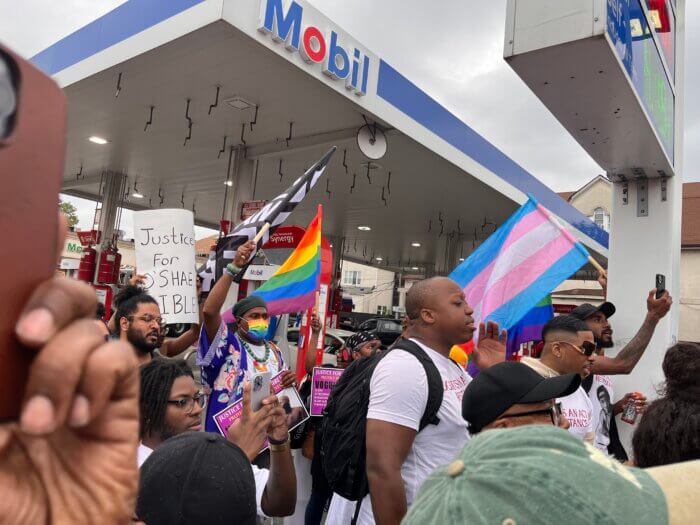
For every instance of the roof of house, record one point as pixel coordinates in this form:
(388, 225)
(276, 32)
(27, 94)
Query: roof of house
(690, 229)
(690, 232)
(203, 246)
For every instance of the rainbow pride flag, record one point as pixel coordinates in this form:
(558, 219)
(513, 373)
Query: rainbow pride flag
(293, 287)
(529, 328)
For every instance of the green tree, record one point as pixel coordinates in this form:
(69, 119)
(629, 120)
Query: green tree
(70, 212)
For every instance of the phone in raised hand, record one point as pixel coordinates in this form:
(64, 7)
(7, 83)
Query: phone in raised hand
(259, 389)
(660, 285)
(32, 149)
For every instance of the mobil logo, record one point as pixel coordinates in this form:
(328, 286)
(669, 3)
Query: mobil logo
(285, 24)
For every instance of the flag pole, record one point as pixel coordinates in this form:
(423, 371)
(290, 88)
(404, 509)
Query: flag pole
(568, 235)
(262, 232)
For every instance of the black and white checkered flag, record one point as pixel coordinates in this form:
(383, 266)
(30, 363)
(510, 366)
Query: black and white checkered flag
(275, 212)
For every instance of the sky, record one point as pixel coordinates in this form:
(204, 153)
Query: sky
(455, 53)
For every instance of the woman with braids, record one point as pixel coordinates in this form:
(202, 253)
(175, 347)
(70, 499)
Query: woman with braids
(170, 403)
(669, 431)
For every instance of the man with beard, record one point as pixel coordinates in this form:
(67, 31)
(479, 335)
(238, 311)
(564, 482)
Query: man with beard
(597, 320)
(139, 322)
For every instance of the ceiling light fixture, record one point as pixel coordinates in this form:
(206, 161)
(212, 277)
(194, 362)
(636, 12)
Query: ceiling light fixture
(414, 268)
(239, 103)
(415, 244)
(98, 140)
(461, 259)
(137, 195)
(364, 228)
(228, 182)
(379, 259)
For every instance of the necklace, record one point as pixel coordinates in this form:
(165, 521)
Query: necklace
(257, 359)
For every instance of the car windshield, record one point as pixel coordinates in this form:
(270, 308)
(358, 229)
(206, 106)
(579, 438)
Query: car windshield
(391, 326)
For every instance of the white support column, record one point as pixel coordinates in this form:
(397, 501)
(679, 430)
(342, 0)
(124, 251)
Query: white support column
(111, 197)
(641, 247)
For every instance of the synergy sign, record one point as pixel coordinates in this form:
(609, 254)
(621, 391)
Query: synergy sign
(313, 45)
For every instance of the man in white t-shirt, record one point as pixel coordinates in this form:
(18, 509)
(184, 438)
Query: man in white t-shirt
(399, 458)
(569, 348)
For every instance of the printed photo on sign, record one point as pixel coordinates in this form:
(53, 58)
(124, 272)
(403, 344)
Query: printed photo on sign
(288, 398)
(164, 243)
(322, 382)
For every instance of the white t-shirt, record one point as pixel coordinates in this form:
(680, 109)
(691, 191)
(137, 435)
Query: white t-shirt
(399, 395)
(142, 454)
(578, 410)
(601, 395)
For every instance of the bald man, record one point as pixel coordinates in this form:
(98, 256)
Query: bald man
(399, 457)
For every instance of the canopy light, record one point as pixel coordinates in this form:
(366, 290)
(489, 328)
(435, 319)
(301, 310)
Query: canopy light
(364, 228)
(98, 140)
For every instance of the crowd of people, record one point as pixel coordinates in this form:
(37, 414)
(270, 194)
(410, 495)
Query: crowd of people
(114, 427)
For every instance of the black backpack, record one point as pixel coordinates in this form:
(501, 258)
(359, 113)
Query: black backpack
(345, 418)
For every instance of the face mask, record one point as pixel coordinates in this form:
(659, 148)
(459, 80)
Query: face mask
(257, 328)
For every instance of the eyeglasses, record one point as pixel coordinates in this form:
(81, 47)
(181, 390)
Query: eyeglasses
(587, 348)
(148, 320)
(187, 403)
(554, 413)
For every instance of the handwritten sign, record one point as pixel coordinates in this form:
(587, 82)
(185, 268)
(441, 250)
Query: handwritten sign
(288, 398)
(323, 380)
(164, 242)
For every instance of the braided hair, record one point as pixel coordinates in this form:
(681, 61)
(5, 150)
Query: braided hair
(127, 301)
(157, 378)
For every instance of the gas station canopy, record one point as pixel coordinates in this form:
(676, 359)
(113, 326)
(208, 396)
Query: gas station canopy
(211, 103)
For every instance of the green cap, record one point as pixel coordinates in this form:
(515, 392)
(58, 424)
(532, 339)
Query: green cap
(542, 474)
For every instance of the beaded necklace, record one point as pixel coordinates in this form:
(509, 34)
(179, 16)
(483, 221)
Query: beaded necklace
(256, 358)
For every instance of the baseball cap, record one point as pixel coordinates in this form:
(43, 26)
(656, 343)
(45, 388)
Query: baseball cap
(194, 478)
(586, 310)
(503, 385)
(542, 474)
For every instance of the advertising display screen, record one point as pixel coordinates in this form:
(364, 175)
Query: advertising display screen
(631, 37)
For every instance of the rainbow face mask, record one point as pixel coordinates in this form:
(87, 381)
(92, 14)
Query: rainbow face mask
(257, 328)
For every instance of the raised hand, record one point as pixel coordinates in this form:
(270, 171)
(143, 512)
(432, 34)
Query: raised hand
(244, 253)
(249, 432)
(658, 308)
(491, 346)
(72, 456)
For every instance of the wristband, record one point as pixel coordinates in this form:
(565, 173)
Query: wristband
(232, 269)
(278, 442)
(279, 448)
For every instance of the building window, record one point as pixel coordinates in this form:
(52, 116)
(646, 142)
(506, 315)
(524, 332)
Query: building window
(601, 218)
(352, 277)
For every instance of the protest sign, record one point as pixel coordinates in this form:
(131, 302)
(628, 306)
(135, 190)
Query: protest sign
(288, 398)
(164, 243)
(323, 380)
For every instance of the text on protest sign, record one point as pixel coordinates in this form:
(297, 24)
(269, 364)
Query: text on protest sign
(164, 243)
(322, 382)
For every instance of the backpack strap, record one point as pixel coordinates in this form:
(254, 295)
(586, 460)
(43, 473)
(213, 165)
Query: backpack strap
(435, 387)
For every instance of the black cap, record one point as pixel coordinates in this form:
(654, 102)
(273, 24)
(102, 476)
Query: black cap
(586, 310)
(194, 478)
(248, 303)
(501, 386)
(359, 339)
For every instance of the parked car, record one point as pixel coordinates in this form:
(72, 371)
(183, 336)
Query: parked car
(387, 329)
(335, 339)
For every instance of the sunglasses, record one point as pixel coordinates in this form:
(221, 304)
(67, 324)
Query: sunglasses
(554, 413)
(587, 348)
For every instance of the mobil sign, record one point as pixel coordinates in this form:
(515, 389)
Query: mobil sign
(285, 23)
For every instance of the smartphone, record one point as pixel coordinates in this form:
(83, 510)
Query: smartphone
(660, 285)
(259, 389)
(32, 149)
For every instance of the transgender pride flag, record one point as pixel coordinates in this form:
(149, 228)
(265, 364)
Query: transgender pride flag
(518, 265)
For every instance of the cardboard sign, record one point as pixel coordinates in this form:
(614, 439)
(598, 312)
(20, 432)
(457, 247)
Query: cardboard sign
(323, 380)
(164, 242)
(288, 398)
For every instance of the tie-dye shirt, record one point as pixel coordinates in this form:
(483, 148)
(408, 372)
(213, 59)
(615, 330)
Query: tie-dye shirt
(225, 365)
